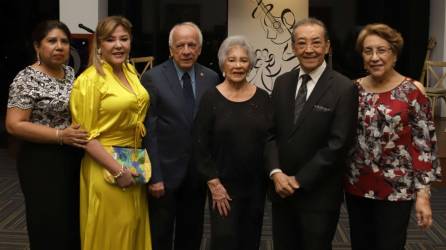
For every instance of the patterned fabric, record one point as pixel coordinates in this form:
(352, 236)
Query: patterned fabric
(301, 97)
(396, 146)
(46, 96)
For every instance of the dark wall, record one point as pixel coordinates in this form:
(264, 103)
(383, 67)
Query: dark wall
(152, 20)
(409, 17)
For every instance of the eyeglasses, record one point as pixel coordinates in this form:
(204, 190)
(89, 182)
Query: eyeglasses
(303, 45)
(380, 51)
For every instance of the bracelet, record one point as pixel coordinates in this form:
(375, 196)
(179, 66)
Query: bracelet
(59, 134)
(120, 173)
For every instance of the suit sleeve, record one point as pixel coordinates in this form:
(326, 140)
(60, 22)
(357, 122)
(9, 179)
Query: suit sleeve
(271, 150)
(151, 139)
(332, 158)
(203, 131)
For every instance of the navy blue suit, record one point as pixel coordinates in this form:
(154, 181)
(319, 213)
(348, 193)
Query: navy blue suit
(169, 144)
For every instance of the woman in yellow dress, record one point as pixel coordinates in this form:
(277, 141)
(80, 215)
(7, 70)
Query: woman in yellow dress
(109, 101)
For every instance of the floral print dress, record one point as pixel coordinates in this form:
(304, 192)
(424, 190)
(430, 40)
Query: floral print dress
(396, 146)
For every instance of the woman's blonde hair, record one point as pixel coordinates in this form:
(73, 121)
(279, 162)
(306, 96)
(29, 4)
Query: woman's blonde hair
(104, 29)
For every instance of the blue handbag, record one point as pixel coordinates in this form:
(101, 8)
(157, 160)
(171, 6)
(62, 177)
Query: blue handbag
(136, 160)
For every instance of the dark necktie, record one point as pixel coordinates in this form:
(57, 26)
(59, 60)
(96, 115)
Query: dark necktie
(301, 97)
(189, 98)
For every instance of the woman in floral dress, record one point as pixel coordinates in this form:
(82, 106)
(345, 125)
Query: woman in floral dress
(394, 162)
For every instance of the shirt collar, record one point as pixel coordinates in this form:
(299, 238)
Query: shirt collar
(126, 68)
(180, 72)
(315, 74)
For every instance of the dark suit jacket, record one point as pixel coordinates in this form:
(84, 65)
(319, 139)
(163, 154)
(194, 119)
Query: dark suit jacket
(314, 149)
(169, 139)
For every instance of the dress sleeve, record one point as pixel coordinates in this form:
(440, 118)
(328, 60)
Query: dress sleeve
(84, 104)
(426, 165)
(22, 92)
(203, 133)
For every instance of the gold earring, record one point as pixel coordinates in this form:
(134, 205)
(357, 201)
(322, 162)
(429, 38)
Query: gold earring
(99, 55)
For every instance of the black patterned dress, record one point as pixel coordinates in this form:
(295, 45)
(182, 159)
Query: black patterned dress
(48, 173)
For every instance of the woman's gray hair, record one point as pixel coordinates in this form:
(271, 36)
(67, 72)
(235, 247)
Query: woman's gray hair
(235, 41)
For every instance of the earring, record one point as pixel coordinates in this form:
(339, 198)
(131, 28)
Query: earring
(224, 74)
(38, 59)
(99, 55)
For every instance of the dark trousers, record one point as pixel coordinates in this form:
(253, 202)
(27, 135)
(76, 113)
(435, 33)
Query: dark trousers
(377, 224)
(49, 178)
(177, 217)
(241, 229)
(297, 229)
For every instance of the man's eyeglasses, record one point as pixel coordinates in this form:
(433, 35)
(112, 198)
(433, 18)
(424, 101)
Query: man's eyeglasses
(314, 45)
(380, 51)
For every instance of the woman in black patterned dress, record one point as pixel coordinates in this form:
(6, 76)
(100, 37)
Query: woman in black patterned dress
(47, 163)
(231, 128)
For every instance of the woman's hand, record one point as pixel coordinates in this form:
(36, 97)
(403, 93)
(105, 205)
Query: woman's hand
(220, 197)
(126, 179)
(74, 136)
(423, 209)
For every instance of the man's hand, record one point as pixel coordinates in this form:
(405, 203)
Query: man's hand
(156, 189)
(285, 185)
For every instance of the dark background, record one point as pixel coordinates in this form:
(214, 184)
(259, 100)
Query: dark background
(152, 20)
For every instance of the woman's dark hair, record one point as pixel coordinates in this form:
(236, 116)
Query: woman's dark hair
(43, 28)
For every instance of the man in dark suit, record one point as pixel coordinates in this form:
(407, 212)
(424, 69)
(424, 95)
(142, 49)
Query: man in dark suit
(176, 193)
(315, 116)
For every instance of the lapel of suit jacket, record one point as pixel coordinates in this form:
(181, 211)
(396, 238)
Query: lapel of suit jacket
(199, 84)
(322, 85)
(172, 79)
(174, 83)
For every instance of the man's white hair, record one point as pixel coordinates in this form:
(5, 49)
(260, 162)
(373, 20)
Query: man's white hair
(191, 24)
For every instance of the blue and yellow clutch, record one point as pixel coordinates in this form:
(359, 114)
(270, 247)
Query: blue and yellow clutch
(136, 160)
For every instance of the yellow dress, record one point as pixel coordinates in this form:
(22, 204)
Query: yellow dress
(110, 218)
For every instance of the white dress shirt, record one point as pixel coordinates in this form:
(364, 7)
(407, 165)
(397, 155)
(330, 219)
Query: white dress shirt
(315, 75)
